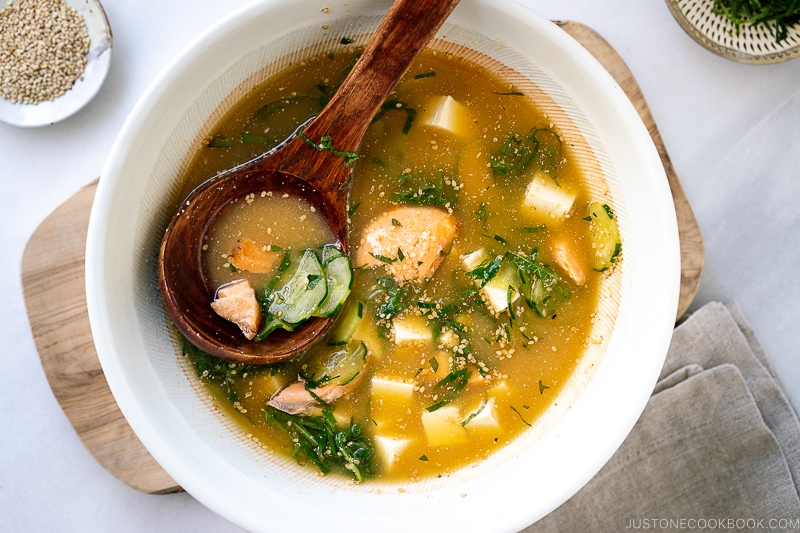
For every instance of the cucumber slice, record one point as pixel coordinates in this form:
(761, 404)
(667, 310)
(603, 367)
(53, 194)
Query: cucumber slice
(339, 276)
(346, 324)
(302, 295)
(606, 243)
(331, 252)
(339, 367)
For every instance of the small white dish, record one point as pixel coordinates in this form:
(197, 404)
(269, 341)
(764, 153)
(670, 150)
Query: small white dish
(86, 86)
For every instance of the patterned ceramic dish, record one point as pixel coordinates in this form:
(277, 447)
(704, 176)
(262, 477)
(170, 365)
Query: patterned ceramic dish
(748, 44)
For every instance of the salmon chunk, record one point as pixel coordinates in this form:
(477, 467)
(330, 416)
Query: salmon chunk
(568, 261)
(295, 399)
(236, 302)
(251, 257)
(410, 242)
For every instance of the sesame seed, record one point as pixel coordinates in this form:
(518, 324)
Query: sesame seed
(43, 47)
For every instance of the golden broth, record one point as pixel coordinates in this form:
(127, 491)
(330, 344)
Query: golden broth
(453, 376)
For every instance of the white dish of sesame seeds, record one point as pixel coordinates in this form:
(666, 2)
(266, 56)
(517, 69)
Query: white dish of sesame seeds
(57, 65)
(229, 472)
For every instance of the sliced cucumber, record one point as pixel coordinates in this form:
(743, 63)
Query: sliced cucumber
(302, 295)
(606, 243)
(339, 366)
(339, 277)
(345, 326)
(331, 252)
(272, 323)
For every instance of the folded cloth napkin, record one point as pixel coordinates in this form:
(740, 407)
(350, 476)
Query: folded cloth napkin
(716, 448)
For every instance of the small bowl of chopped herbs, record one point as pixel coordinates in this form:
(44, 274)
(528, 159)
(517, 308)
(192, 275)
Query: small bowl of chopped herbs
(54, 57)
(747, 31)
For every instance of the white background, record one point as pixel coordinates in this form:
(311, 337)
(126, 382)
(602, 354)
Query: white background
(731, 131)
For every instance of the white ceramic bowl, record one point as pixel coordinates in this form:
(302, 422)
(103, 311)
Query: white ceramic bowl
(209, 457)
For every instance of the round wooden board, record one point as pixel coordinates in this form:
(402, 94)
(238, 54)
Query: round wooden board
(53, 284)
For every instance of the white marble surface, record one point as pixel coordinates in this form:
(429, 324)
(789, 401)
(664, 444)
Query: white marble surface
(731, 130)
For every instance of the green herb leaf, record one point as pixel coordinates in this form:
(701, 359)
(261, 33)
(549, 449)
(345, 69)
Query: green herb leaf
(321, 440)
(520, 416)
(222, 141)
(542, 387)
(353, 208)
(486, 270)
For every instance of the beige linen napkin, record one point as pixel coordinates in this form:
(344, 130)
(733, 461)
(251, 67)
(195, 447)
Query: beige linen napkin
(717, 447)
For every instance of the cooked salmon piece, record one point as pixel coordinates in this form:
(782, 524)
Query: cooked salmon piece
(236, 302)
(568, 261)
(410, 242)
(251, 257)
(295, 399)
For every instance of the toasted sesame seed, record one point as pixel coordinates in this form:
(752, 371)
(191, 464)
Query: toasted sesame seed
(43, 47)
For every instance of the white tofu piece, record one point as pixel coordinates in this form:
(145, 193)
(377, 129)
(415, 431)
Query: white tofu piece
(544, 196)
(496, 290)
(443, 426)
(471, 260)
(391, 390)
(501, 390)
(390, 449)
(447, 113)
(411, 328)
(486, 418)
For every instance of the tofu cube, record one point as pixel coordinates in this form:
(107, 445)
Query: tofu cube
(485, 417)
(411, 328)
(443, 426)
(496, 290)
(448, 114)
(391, 390)
(390, 449)
(544, 197)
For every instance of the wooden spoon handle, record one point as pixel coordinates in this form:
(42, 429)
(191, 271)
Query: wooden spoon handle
(402, 34)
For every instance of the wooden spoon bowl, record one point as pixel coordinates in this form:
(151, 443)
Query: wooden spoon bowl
(301, 167)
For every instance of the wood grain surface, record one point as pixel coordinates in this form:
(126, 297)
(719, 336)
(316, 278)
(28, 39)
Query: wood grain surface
(53, 284)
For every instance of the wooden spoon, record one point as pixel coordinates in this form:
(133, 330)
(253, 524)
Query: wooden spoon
(301, 168)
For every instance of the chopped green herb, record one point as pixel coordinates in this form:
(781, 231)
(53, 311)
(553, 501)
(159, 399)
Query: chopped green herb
(520, 416)
(474, 413)
(393, 297)
(481, 212)
(412, 113)
(313, 280)
(222, 141)
(434, 364)
(534, 229)
(510, 93)
(423, 457)
(485, 271)
(353, 208)
(542, 387)
(450, 385)
(326, 144)
(425, 75)
(396, 222)
(383, 258)
(346, 40)
(419, 192)
(252, 138)
(776, 15)
(321, 440)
